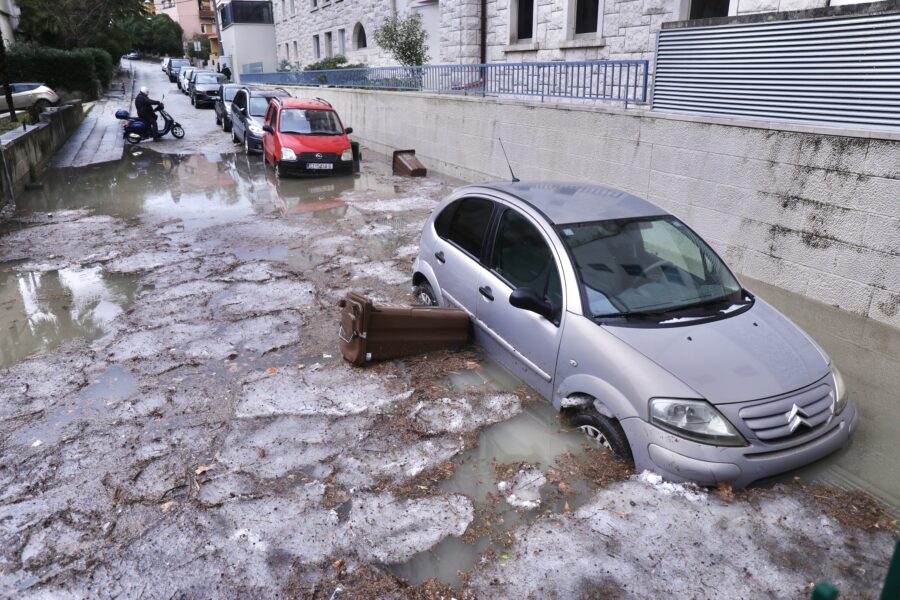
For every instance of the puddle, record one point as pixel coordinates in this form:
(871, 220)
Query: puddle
(868, 354)
(534, 437)
(92, 403)
(41, 310)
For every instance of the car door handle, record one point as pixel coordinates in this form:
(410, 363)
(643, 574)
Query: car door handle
(486, 292)
(440, 256)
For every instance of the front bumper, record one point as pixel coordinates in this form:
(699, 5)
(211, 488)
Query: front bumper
(299, 168)
(201, 98)
(678, 459)
(254, 143)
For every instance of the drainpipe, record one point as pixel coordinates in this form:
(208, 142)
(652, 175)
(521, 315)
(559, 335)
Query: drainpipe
(483, 31)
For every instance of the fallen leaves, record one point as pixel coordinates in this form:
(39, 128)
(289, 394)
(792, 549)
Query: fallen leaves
(724, 491)
(203, 469)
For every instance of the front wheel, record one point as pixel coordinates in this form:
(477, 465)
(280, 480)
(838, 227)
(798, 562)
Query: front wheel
(226, 124)
(603, 432)
(42, 105)
(177, 131)
(132, 138)
(425, 294)
(193, 101)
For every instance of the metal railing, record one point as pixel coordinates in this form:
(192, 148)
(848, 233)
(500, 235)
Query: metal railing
(603, 80)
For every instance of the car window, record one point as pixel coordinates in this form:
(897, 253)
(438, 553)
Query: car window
(469, 224)
(240, 99)
(229, 93)
(270, 114)
(258, 106)
(523, 258)
(210, 78)
(310, 122)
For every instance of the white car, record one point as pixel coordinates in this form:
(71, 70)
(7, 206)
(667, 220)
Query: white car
(26, 95)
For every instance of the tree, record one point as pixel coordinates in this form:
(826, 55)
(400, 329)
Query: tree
(203, 52)
(155, 34)
(404, 38)
(69, 24)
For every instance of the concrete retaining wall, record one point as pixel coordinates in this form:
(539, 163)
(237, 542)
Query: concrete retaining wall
(27, 153)
(797, 206)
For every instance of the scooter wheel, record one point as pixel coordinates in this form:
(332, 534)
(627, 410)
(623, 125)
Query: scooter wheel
(178, 131)
(133, 138)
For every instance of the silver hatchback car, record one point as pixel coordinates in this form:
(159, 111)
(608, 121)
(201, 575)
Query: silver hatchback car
(626, 320)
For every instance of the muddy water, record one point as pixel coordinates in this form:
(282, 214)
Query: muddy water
(40, 310)
(868, 355)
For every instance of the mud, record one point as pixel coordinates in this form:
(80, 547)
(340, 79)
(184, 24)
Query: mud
(204, 439)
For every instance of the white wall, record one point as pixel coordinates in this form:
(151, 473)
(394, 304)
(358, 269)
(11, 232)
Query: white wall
(245, 44)
(806, 210)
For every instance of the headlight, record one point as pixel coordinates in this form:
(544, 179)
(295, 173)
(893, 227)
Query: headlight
(840, 390)
(695, 420)
(255, 129)
(288, 154)
(347, 154)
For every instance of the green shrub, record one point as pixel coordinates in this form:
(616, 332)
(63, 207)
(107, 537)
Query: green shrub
(103, 64)
(338, 61)
(62, 70)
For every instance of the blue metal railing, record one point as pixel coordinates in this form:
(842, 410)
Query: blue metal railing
(605, 80)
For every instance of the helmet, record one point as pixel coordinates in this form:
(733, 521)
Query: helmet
(145, 89)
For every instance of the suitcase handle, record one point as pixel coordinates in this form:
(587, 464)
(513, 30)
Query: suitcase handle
(353, 334)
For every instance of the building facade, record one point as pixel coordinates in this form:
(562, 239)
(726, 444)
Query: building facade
(514, 30)
(9, 20)
(246, 33)
(194, 16)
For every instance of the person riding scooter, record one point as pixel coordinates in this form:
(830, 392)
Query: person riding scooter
(146, 109)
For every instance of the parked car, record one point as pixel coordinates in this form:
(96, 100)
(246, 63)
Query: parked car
(204, 87)
(173, 69)
(26, 95)
(223, 104)
(628, 321)
(164, 63)
(303, 137)
(133, 55)
(183, 75)
(247, 111)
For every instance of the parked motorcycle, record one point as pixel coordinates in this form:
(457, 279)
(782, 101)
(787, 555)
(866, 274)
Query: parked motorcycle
(135, 130)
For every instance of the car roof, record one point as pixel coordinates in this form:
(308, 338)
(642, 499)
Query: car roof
(266, 93)
(306, 103)
(577, 202)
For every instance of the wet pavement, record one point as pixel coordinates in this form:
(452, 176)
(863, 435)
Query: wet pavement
(176, 421)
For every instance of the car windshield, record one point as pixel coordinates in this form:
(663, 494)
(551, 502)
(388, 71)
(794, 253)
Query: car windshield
(210, 78)
(258, 106)
(229, 93)
(310, 122)
(180, 63)
(655, 266)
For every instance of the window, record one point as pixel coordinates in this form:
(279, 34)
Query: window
(309, 122)
(586, 16)
(359, 37)
(328, 44)
(523, 259)
(283, 8)
(314, 4)
(469, 223)
(296, 50)
(240, 99)
(317, 52)
(228, 93)
(270, 114)
(293, 8)
(524, 20)
(342, 42)
(708, 9)
(249, 11)
(287, 51)
(258, 105)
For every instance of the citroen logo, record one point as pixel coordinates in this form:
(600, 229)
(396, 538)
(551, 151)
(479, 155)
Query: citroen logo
(319, 155)
(795, 418)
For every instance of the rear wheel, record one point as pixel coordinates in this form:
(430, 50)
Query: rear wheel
(218, 119)
(603, 432)
(425, 294)
(42, 105)
(226, 124)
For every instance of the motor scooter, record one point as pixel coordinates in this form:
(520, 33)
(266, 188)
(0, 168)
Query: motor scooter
(135, 129)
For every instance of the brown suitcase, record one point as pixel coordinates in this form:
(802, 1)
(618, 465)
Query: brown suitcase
(368, 332)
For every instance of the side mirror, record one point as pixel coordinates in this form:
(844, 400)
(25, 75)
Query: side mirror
(268, 129)
(348, 130)
(527, 299)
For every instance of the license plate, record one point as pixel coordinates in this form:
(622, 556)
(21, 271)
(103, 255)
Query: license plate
(319, 166)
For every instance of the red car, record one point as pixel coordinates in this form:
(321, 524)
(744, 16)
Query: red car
(305, 137)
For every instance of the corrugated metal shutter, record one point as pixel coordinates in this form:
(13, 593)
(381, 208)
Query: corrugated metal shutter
(837, 70)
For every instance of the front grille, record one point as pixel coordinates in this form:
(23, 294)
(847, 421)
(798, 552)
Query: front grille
(326, 156)
(772, 421)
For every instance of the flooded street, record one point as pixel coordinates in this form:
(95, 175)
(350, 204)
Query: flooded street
(176, 420)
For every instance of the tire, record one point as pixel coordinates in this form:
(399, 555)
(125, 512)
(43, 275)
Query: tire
(603, 432)
(193, 101)
(226, 124)
(177, 131)
(218, 119)
(425, 294)
(132, 138)
(234, 138)
(246, 144)
(42, 105)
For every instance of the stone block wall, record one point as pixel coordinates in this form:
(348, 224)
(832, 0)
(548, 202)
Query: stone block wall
(814, 211)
